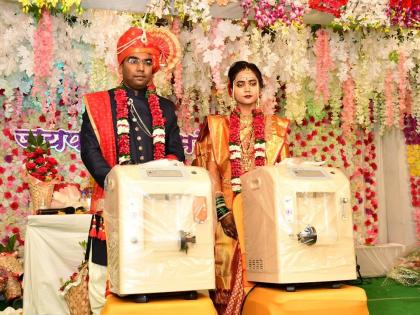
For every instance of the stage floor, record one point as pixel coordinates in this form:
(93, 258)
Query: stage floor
(387, 297)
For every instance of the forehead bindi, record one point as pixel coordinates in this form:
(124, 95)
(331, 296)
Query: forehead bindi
(246, 76)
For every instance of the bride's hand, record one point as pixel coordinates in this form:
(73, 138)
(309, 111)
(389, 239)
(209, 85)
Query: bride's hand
(229, 227)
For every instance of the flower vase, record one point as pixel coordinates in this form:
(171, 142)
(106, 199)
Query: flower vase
(41, 194)
(76, 293)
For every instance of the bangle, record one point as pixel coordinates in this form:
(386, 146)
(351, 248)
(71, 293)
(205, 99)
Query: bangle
(219, 219)
(221, 209)
(221, 212)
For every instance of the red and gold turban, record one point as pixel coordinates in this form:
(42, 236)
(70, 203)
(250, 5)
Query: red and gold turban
(160, 43)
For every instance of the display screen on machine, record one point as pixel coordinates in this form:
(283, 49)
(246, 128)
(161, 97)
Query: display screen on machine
(308, 173)
(164, 173)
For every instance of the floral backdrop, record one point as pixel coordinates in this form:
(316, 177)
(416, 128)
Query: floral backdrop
(336, 83)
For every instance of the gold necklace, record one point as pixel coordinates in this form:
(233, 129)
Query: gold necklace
(246, 134)
(137, 119)
(246, 121)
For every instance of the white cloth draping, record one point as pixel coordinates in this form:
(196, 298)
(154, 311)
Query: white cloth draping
(52, 252)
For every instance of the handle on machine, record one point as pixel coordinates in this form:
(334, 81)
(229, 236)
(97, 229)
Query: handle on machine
(185, 238)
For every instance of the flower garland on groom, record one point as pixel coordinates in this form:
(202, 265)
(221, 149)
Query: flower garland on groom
(130, 124)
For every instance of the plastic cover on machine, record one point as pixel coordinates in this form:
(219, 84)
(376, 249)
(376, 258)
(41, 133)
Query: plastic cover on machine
(159, 228)
(298, 227)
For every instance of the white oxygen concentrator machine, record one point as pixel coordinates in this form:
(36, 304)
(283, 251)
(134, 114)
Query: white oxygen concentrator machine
(159, 224)
(298, 224)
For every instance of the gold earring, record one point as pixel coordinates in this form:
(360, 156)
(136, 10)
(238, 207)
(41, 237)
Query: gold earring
(232, 103)
(232, 100)
(258, 102)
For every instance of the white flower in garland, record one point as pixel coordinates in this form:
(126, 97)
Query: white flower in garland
(255, 45)
(19, 38)
(259, 154)
(196, 78)
(163, 84)
(213, 57)
(104, 31)
(259, 146)
(198, 37)
(123, 126)
(363, 93)
(364, 13)
(197, 11)
(27, 60)
(236, 184)
(242, 49)
(293, 69)
(340, 54)
(235, 151)
(87, 51)
(76, 65)
(158, 135)
(228, 30)
(159, 8)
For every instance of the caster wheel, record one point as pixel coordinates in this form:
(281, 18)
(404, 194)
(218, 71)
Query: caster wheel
(290, 288)
(191, 295)
(141, 298)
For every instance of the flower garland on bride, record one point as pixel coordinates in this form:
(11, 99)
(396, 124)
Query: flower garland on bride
(258, 127)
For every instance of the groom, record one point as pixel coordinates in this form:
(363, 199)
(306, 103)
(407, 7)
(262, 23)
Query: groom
(130, 124)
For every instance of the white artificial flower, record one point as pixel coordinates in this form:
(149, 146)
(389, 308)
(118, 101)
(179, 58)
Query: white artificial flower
(229, 30)
(212, 56)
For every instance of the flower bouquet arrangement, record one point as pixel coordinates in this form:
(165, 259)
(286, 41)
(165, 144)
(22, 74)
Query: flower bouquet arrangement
(11, 270)
(75, 289)
(40, 170)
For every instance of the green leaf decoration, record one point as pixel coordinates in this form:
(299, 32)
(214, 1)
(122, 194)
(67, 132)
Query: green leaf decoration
(393, 56)
(10, 246)
(31, 141)
(37, 141)
(11, 243)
